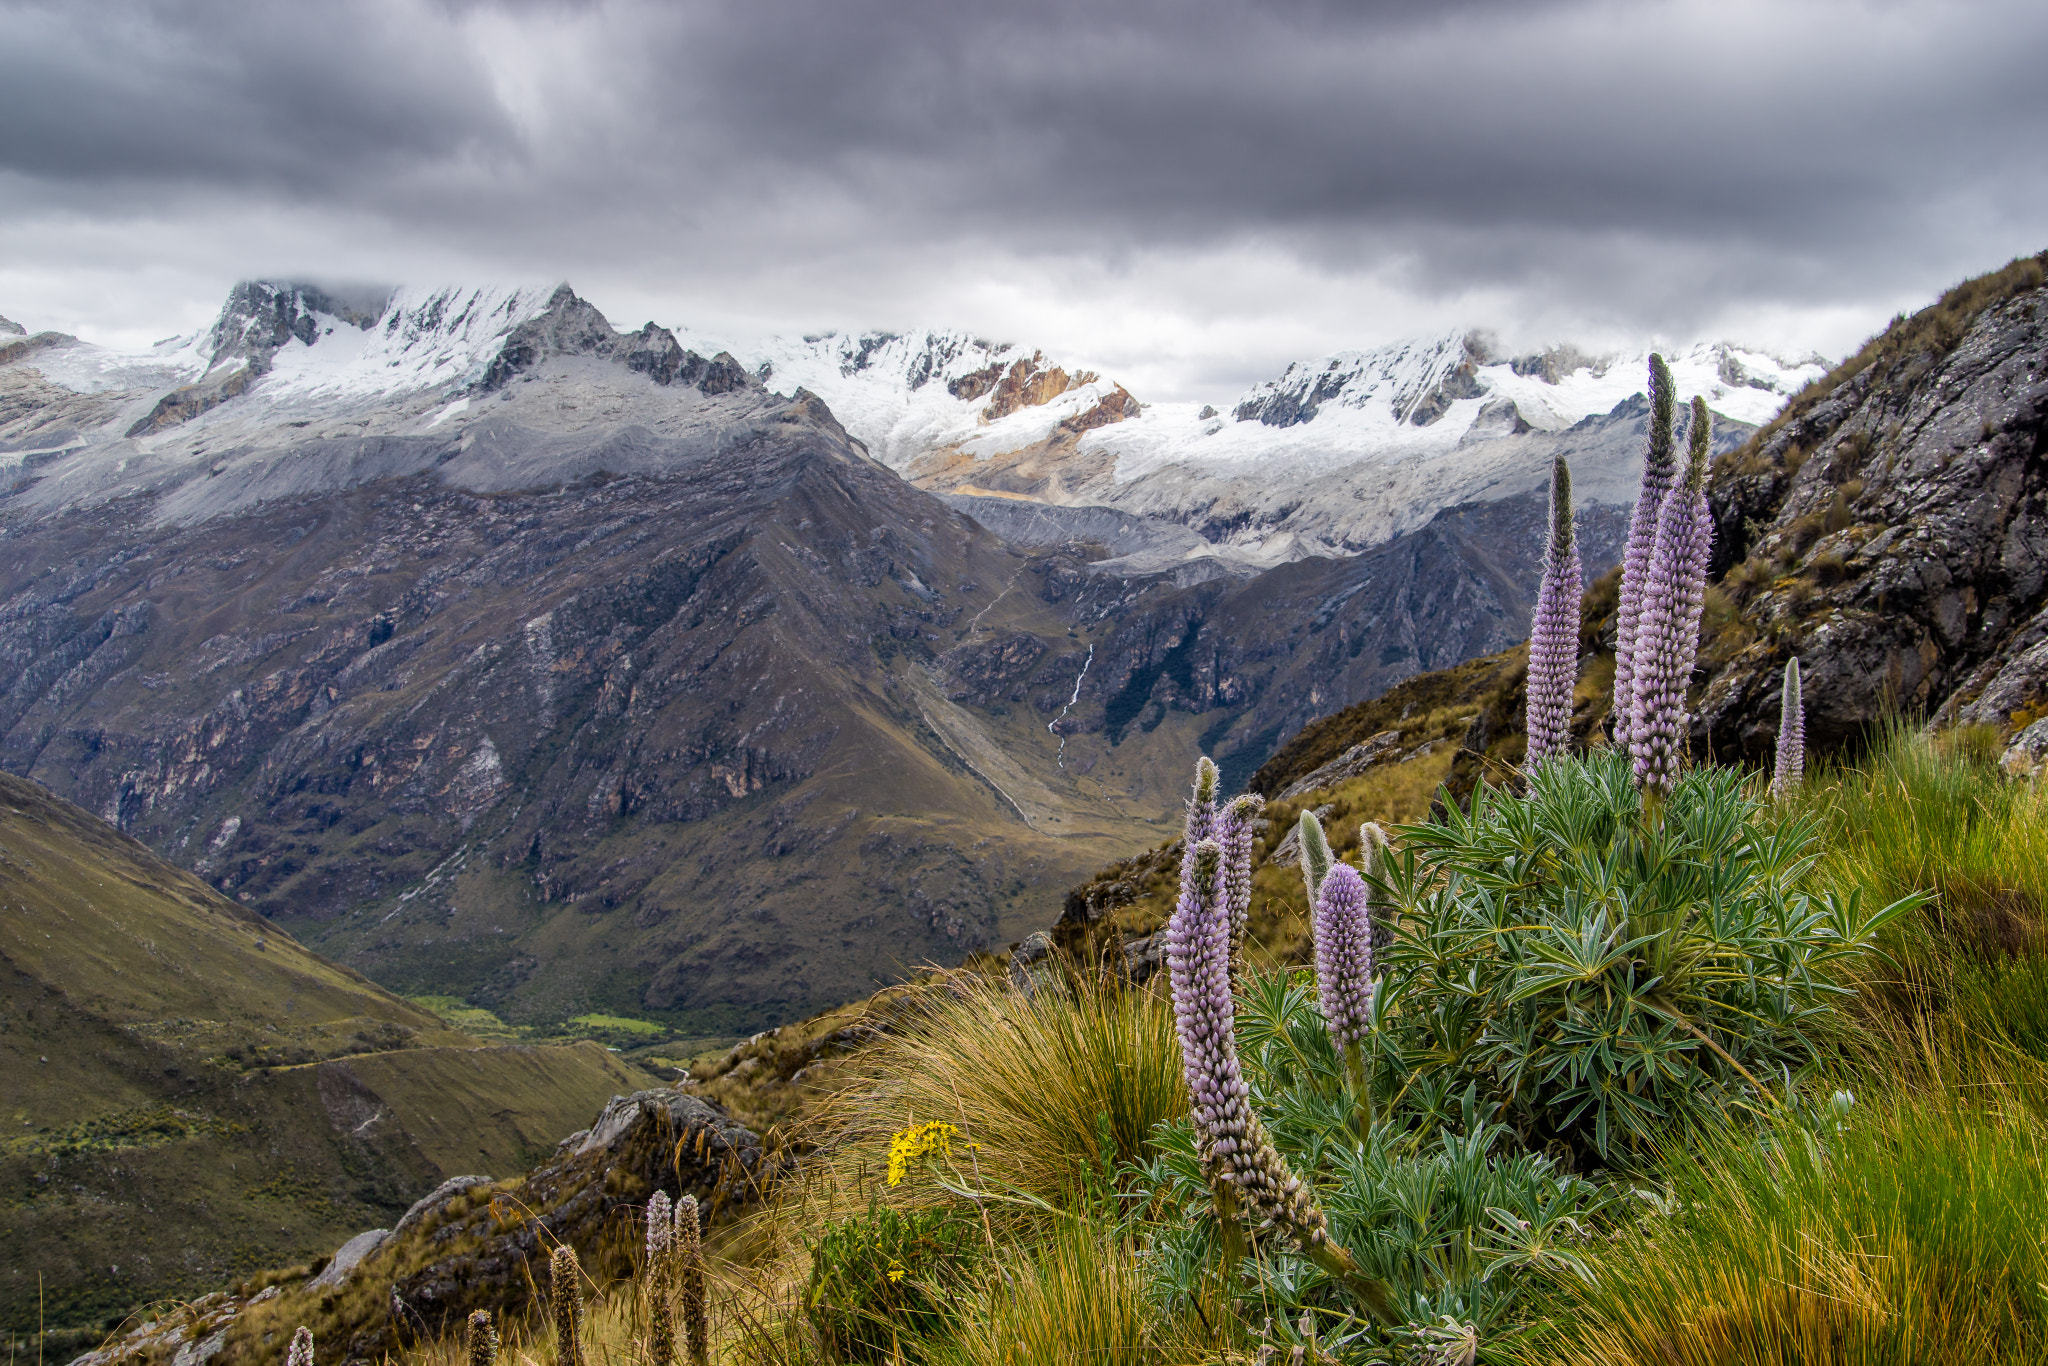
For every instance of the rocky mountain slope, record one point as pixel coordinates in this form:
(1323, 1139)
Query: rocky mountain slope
(1334, 456)
(565, 647)
(508, 656)
(190, 1093)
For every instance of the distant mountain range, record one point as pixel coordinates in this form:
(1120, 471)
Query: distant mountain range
(504, 654)
(1333, 456)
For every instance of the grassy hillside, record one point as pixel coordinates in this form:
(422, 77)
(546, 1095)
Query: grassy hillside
(191, 1094)
(1844, 1169)
(1880, 1205)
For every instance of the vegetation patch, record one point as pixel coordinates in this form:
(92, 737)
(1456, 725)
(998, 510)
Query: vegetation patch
(147, 1126)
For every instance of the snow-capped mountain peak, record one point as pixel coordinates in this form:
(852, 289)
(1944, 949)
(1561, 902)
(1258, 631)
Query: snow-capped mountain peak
(906, 395)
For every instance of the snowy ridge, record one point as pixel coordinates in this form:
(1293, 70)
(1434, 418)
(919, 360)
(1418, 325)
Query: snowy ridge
(1420, 398)
(1426, 399)
(420, 338)
(423, 339)
(909, 394)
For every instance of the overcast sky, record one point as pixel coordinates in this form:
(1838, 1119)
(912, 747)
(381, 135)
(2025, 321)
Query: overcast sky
(1185, 194)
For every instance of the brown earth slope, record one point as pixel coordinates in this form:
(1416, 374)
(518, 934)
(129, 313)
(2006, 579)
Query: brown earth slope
(191, 1094)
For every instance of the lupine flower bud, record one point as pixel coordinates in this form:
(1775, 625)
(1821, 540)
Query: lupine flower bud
(1234, 1145)
(1237, 837)
(1791, 765)
(563, 1274)
(1554, 630)
(1315, 854)
(689, 1263)
(1668, 632)
(1203, 820)
(300, 1353)
(661, 1316)
(1343, 955)
(1659, 472)
(1373, 846)
(483, 1339)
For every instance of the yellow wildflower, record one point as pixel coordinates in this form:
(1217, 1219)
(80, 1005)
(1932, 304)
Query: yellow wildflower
(916, 1142)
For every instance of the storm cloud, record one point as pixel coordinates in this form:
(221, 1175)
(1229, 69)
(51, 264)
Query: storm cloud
(1189, 193)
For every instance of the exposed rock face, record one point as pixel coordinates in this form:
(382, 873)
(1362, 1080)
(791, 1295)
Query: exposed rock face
(1352, 762)
(1285, 645)
(1894, 536)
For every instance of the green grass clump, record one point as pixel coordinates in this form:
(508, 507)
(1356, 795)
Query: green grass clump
(1044, 1086)
(1079, 1296)
(1935, 815)
(1962, 986)
(1911, 1232)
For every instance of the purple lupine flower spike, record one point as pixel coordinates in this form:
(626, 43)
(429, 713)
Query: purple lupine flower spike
(1237, 836)
(661, 1317)
(1554, 630)
(1791, 765)
(1659, 473)
(300, 1353)
(658, 1228)
(1668, 632)
(1235, 1150)
(1343, 956)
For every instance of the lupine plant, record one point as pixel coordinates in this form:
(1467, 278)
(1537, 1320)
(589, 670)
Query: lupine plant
(300, 1353)
(1566, 986)
(1248, 1176)
(1315, 854)
(688, 1250)
(567, 1295)
(1238, 834)
(1343, 960)
(1554, 629)
(661, 1310)
(483, 1339)
(1659, 473)
(1604, 978)
(1667, 638)
(1791, 756)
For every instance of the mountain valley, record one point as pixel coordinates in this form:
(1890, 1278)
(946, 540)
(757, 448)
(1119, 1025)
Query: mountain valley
(509, 657)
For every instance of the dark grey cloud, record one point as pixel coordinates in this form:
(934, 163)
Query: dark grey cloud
(1638, 166)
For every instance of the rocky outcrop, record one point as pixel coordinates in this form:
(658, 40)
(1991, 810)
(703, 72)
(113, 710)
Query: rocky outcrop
(1365, 754)
(1892, 533)
(13, 351)
(185, 403)
(1116, 406)
(477, 1244)
(1027, 383)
